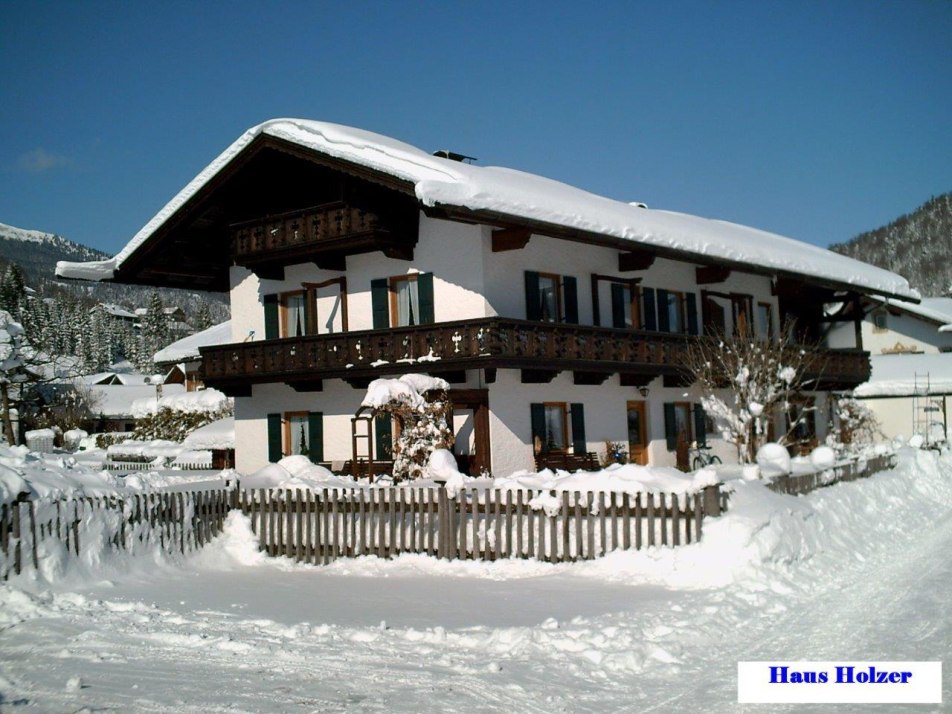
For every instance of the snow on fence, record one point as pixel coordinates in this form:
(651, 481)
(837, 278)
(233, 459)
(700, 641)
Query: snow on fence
(150, 466)
(321, 526)
(799, 484)
(91, 526)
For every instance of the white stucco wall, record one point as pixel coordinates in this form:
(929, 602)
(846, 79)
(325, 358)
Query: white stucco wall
(908, 330)
(897, 418)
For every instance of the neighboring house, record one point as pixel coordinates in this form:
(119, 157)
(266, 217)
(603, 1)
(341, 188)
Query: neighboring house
(181, 361)
(560, 318)
(112, 404)
(118, 313)
(911, 357)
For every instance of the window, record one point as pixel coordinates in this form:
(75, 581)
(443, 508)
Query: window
(402, 300)
(616, 302)
(764, 320)
(880, 321)
(293, 314)
(742, 309)
(674, 308)
(316, 309)
(801, 421)
(557, 426)
(296, 433)
(684, 420)
(551, 298)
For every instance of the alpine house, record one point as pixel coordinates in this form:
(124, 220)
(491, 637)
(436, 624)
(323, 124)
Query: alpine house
(559, 318)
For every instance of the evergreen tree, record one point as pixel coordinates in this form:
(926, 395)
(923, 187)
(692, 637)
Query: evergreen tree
(12, 289)
(203, 318)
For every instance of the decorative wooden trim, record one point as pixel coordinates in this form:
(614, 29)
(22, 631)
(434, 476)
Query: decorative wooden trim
(635, 260)
(711, 274)
(510, 239)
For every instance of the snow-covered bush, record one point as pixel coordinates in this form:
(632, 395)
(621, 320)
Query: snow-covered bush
(422, 420)
(174, 425)
(859, 427)
(757, 375)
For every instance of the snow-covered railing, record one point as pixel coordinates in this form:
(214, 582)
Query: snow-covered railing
(798, 484)
(152, 466)
(321, 526)
(34, 531)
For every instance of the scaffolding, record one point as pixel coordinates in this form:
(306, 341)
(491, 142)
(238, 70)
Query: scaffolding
(928, 411)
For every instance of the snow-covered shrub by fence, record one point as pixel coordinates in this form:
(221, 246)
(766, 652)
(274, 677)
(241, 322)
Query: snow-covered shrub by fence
(320, 526)
(44, 534)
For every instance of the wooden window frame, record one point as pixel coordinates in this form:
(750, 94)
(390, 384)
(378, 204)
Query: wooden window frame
(876, 315)
(641, 406)
(682, 311)
(564, 407)
(559, 306)
(286, 428)
(742, 304)
(690, 408)
(311, 289)
(633, 285)
(283, 310)
(392, 288)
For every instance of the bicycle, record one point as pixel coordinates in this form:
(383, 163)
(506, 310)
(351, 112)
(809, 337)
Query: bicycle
(703, 457)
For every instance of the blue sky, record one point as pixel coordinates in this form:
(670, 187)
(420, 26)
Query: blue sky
(816, 120)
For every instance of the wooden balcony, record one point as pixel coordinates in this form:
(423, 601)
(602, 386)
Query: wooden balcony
(541, 350)
(321, 234)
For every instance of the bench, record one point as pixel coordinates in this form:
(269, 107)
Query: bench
(567, 462)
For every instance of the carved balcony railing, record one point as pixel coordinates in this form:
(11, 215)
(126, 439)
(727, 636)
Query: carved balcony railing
(326, 232)
(467, 344)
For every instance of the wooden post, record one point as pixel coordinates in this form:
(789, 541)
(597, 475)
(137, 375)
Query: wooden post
(651, 520)
(32, 511)
(530, 524)
(326, 540)
(180, 502)
(554, 530)
(638, 518)
(497, 526)
(566, 525)
(675, 520)
(519, 521)
(603, 535)
(663, 512)
(625, 521)
(76, 527)
(712, 500)
(579, 532)
(698, 515)
(17, 557)
(509, 547)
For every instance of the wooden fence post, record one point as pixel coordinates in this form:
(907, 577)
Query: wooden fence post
(712, 500)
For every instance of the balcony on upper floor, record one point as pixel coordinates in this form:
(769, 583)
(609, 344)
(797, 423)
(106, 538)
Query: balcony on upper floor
(322, 234)
(541, 350)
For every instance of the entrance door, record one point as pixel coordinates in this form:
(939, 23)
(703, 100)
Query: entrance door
(471, 430)
(637, 433)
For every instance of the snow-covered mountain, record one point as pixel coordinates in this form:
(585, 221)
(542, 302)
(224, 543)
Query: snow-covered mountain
(917, 245)
(37, 252)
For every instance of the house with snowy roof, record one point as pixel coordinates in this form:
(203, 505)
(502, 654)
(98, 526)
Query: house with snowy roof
(560, 318)
(910, 349)
(181, 361)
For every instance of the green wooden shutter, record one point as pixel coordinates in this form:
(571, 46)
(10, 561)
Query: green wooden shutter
(275, 442)
(700, 425)
(272, 329)
(383, 437)
(380, 302)
(425, 294)
(691, 299)
(651, 321)
(670, 426)
(570, 298)
(315, 436)
(537, 412)
(578, 429)
(618, 305)
(664, 323)
(533, 302)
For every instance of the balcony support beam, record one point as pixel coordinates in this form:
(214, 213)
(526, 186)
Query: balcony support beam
(538, 376)
(711, 274)
(510, 239)
(590, 378)
(635, 260)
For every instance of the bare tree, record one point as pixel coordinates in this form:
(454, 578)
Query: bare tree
(744, 380)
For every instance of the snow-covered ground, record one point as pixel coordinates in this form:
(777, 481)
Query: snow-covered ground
(856, 571)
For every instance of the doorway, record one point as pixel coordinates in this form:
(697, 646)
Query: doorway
(637, 433)
(471, 430)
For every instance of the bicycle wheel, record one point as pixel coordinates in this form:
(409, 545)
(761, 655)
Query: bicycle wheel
(714, 460)
(698, 463)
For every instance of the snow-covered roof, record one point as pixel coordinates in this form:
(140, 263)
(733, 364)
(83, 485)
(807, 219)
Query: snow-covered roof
(904, 375)
(934, 309)
(498, 191)
(117, 400)
(187, 348)
(217, 435)
(120, 378)
(116, 311)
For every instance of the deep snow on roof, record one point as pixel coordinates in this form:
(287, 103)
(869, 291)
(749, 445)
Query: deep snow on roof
(518, 194)
(936, 309)
(187, 348)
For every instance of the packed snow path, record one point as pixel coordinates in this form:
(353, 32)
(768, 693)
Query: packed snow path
(232, 632)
